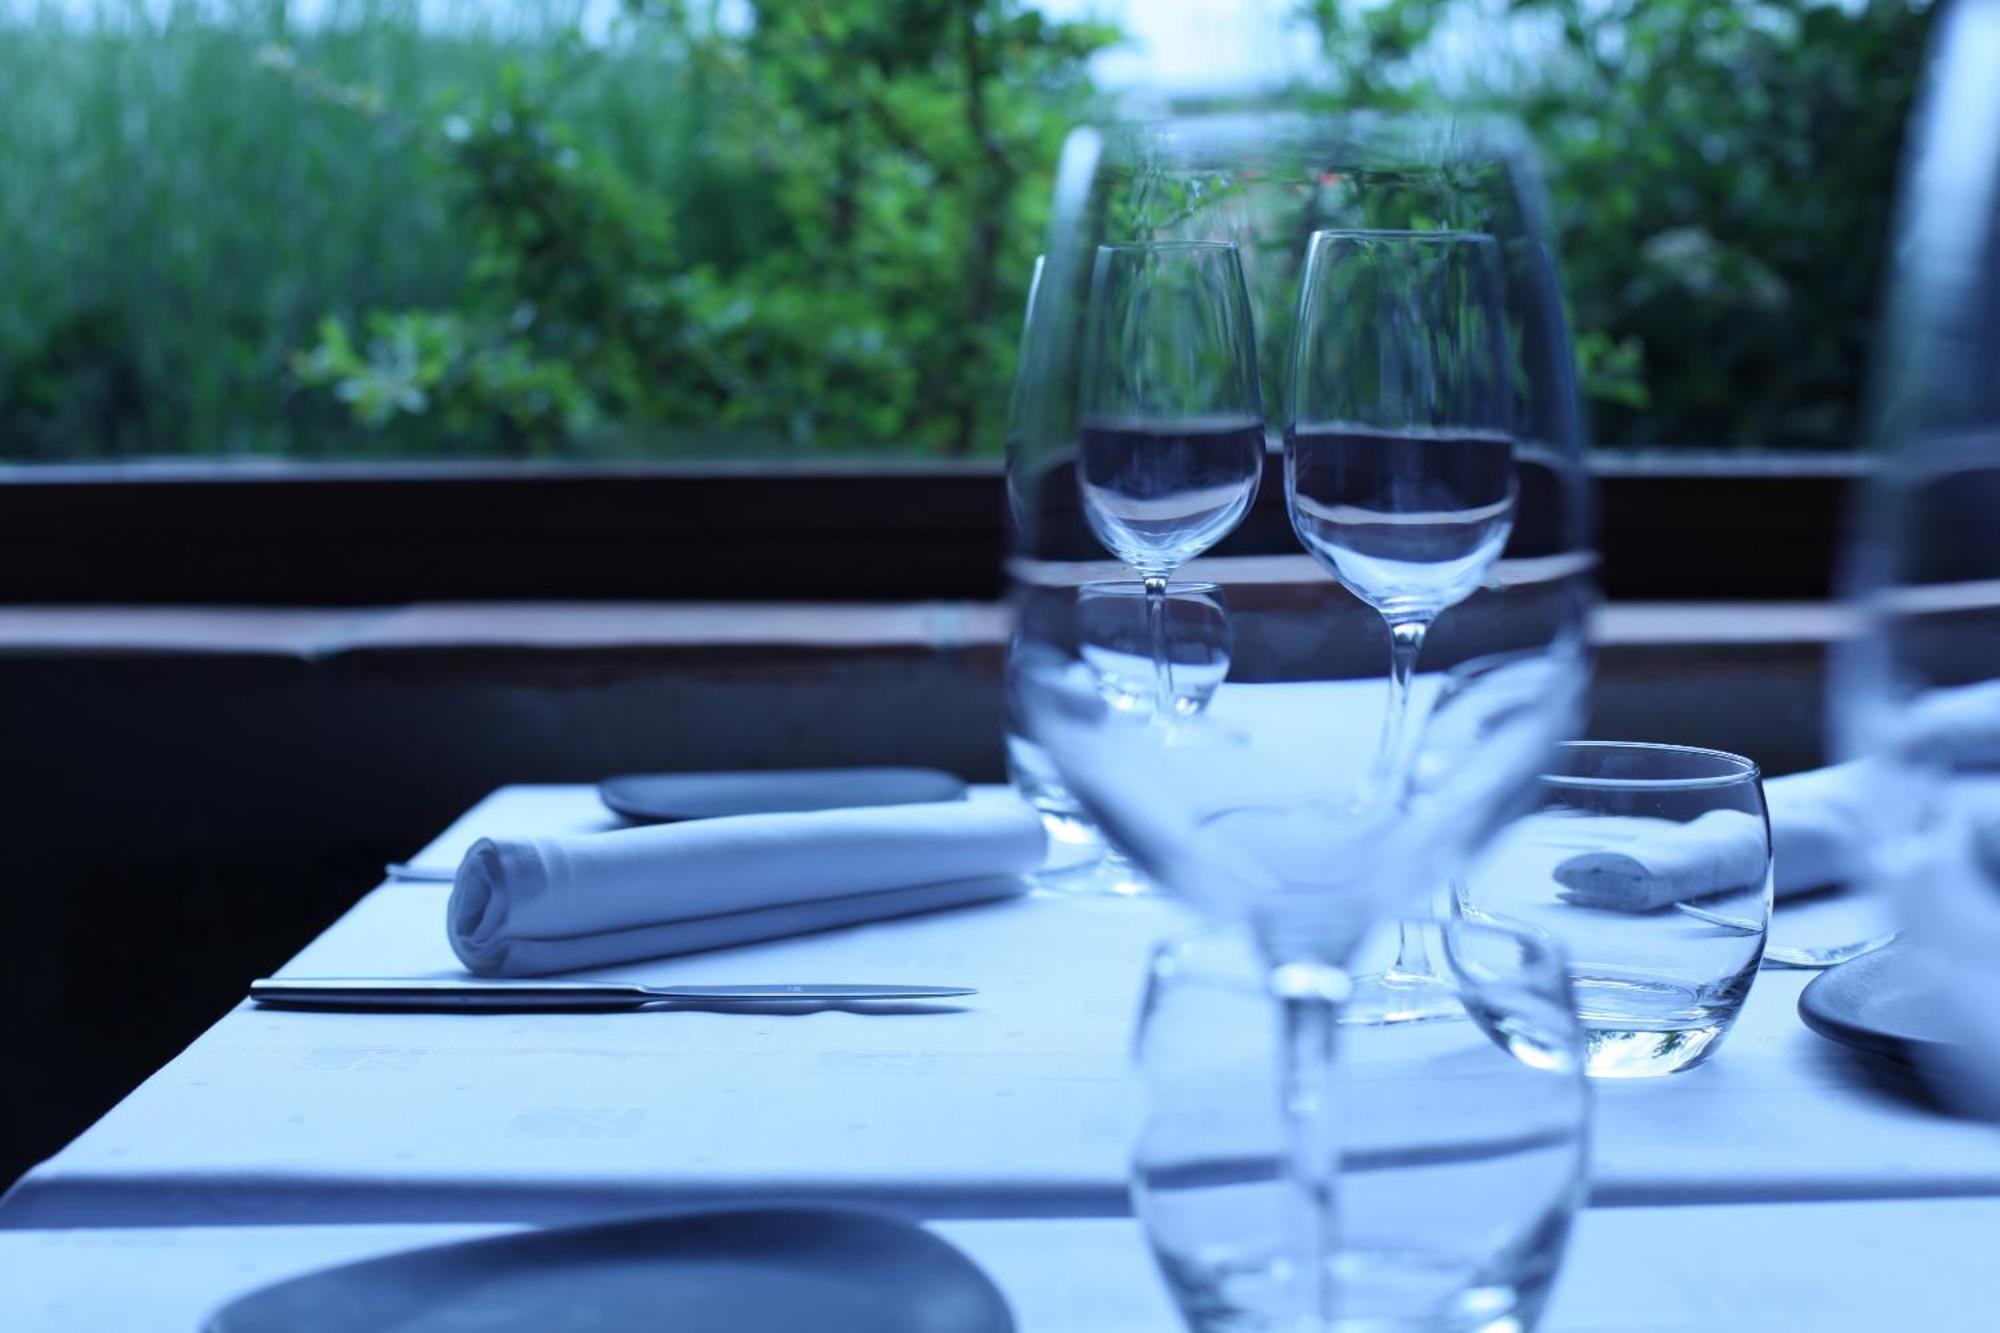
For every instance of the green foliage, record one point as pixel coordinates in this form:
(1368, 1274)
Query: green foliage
(837, 258)
(231, 232)
(1722, 177)
(373, 237)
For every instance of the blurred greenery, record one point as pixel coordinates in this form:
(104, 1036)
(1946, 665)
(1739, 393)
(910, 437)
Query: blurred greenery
(370, 236)
(770, 227)
(1721, 176)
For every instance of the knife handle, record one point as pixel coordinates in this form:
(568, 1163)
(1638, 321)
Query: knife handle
(368, 993)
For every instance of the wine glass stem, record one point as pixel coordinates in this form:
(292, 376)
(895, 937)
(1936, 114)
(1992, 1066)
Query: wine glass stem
(1406, 640)
(1163, 666)
(1391, 777)
(1309, 997)
(1413, 951)
(1413, 955)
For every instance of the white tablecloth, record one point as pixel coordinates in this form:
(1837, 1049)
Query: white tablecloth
(1758, 1269)
(1018, 1105)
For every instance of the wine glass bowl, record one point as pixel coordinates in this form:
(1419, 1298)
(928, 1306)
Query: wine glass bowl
(1172, 441)
(1399, 467)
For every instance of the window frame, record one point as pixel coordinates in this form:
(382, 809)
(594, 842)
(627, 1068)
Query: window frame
(1673, 527)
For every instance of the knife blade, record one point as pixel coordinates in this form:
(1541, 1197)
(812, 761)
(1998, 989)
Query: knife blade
(450, 995)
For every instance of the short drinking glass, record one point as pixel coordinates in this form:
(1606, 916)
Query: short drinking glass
(1652, 865)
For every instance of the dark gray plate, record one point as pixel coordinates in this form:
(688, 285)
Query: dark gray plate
(755, 1270)
(1880, 1002)
(666, 798)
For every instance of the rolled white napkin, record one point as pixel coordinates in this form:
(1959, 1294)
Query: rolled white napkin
(1720, 851)
(528, 906)
(1816, 824)
(1818, 819)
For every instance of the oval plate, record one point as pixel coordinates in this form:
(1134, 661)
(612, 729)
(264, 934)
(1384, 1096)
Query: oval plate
(669, 798)
(1879, 1002)
(755, 1270)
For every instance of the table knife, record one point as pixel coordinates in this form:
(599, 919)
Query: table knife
(406, 993)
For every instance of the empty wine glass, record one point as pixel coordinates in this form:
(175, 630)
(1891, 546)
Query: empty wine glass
(1399, 458)
(1172, 440)
(1252, 807)
(1081, 861)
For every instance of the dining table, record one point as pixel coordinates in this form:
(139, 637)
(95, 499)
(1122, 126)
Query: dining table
(1789, 1182)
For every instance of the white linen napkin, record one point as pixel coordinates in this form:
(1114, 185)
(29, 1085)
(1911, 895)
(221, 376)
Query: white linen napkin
(1816, 827)
(528, 906)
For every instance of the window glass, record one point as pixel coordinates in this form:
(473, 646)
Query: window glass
(614, 229)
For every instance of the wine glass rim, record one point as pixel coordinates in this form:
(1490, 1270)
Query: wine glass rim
(1734, 768)
(1176, 243)
(1455, 234)
(1497, 132)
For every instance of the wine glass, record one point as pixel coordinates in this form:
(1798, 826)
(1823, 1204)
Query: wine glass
(1171, 444)
(1917, 694)
(1399, 458)
(1252, 806)
(1080, 860)
(1399, 462)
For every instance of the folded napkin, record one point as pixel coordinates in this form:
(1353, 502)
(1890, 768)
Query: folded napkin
(527, 906)
(1816, 821)
(1957, 726)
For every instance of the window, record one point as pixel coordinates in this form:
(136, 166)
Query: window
(577, 230)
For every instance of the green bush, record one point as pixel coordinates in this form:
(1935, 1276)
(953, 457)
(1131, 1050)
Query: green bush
(1722, 179)
(177, 219)
(233, 234)
(369, 238)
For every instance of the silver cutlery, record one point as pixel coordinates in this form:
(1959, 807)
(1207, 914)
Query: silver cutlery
(404, 870)
(1801, 957)
(350, 993)
(1832, 955)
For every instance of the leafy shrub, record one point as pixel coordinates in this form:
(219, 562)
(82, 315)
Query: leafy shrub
(231, 233)
(1722, 178)
(839, 263)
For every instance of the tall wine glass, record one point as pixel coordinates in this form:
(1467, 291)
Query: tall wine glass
(1253, 807)
(1171, 444)
(1917, 694)
(1399, 456)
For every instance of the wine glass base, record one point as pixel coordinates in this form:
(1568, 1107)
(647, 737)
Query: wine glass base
(1383, 1291)
(1109, 876)
(1081, 864)
(1400, 997)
